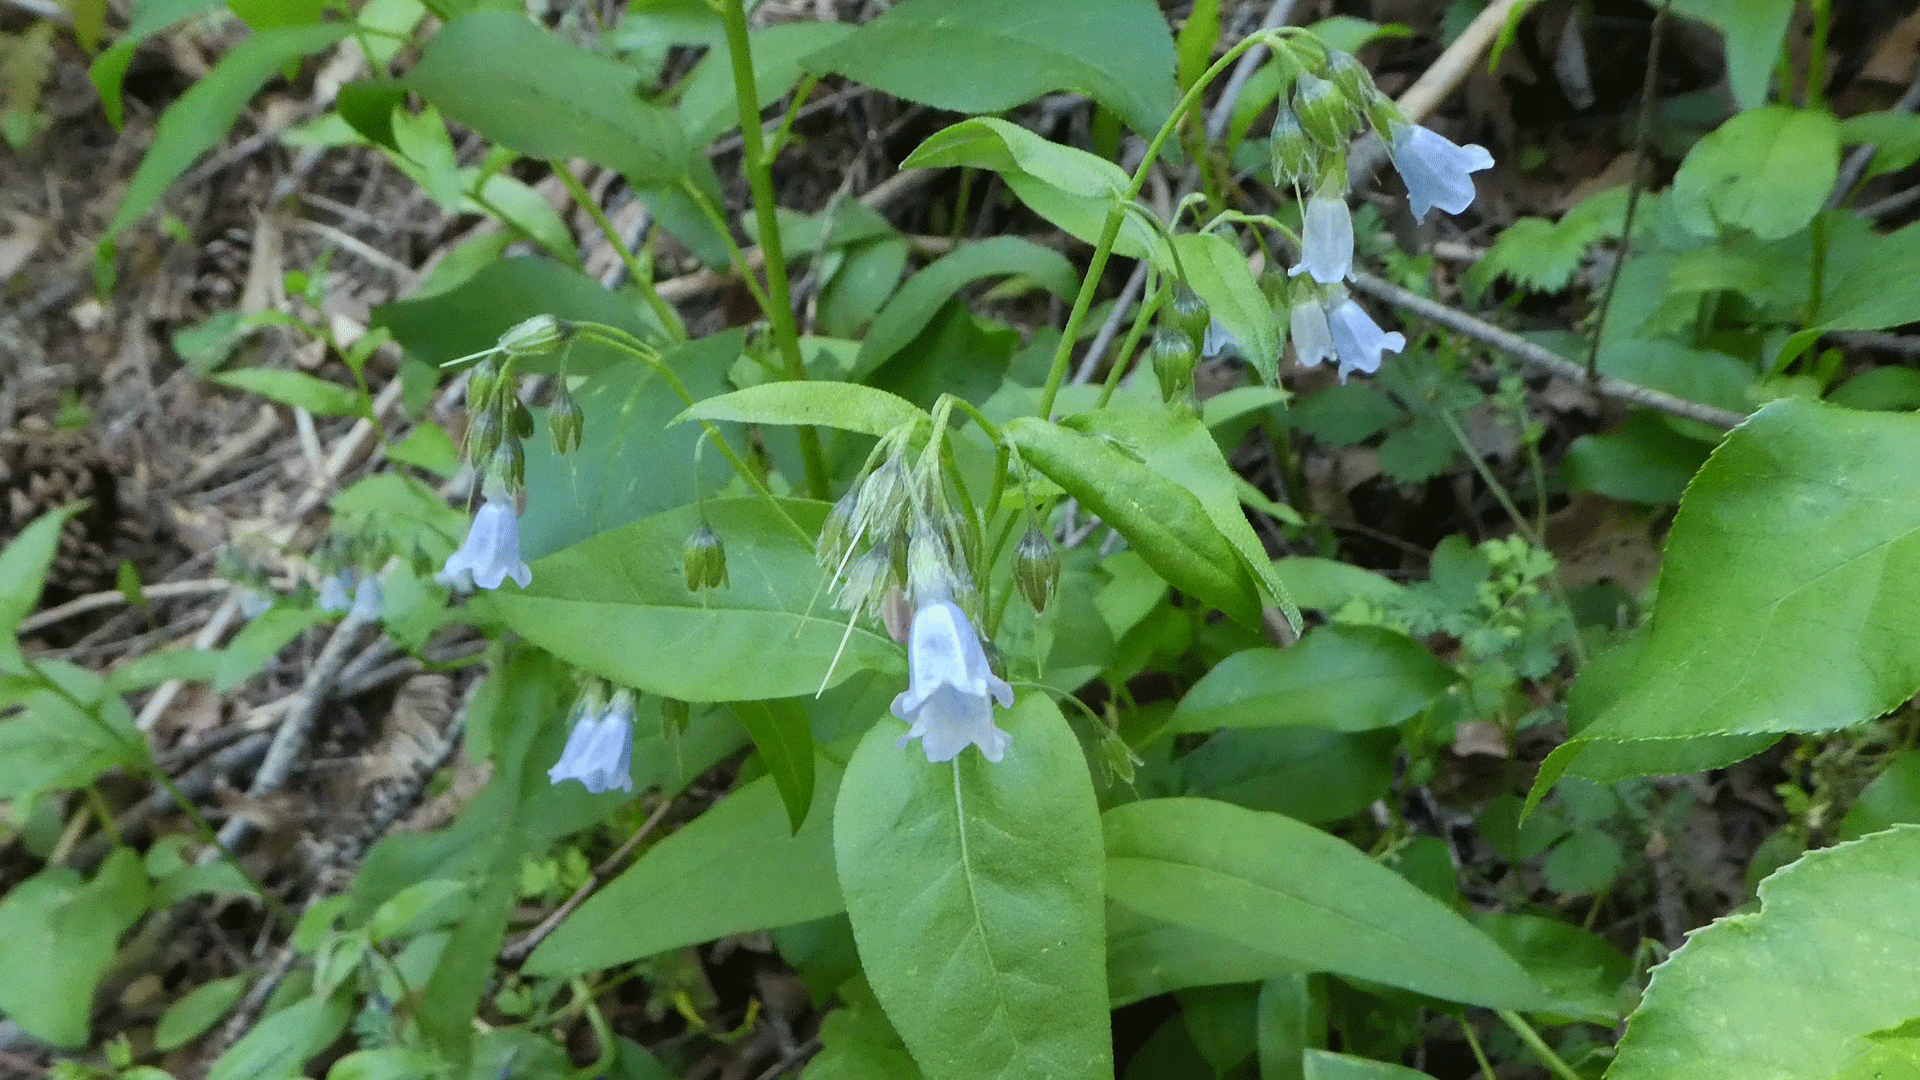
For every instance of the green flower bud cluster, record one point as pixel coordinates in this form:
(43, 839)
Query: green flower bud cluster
(1332, 99)
(498, 422)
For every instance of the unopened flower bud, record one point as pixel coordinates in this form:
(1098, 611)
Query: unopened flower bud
(836, 533)
(1036, 568)
(1190, 314)
(1324, 111)
(930, 569)
(883, 496)
(1296, 157)
(482, 382)
(510, 464)
(1351, 78)
(705, 559)
(565, 421)
(534, 337)
(483, 435)
(519, 419)
(1173, 357)
(896, 613)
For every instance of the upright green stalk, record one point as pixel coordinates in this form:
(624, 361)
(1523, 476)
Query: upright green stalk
(1110, 231)
(753, 162)
(641, 275)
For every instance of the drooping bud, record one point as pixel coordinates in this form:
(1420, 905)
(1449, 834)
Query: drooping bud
(674, 717)
(565, 421)
(482, 382)
(1323, 110)
(510, 464)
(534, 337)
(836, 533)
(930, 569)
(1296, 157)
(883, 496)
(896, 613)
(866, 577)
(705, 560)
(483, 434)
(1351, 78)
(519, 419)
(1190, 314)
(1036, 568)
(1173, 357)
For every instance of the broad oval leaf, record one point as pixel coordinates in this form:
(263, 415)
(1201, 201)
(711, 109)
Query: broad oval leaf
(1342, 678)
(524, 88)
(988, 142)
(847, 406)
(983, 56)
(617, 606)
(57, 936)
(1164, 522)
(1290, 890)
(736, 868)
(974, 890)
(1811, 984)
(1791, 574)
(1767, 171)
(910, 309)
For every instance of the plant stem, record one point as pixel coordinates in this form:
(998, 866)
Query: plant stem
(640, 275)
(754, 162)
(1115, 215)
(1122, 358)
(1538, 1045)
(1647, 86)
(1817, 54)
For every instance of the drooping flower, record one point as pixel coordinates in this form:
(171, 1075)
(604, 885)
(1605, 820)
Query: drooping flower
(949, 701)
(335, 594)
(491, 552)
(1358, 340)
(369, 600)
(599, 751)
(1436, 171)
(1326, 244)
(1218, 339)
(1312, 337)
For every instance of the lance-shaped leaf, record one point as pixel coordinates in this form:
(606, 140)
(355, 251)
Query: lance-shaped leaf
(847, 406)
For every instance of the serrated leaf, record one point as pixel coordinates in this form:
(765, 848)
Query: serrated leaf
(526, 89)
(974, 890)
(1274, 884)
(1832, 947)
(984, 56)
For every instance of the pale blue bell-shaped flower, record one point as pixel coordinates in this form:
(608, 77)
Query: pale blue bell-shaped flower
(949, 700)
(1312, 337)
(1358, 340)
(1326, 243)
(1436, 172)
(491, 552)
(255, 602)
(599, 751)
(369, 600)
(335, 592)
(1219, 339)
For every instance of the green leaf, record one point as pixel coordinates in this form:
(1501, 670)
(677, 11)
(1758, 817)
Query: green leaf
(1644, 461)
(1767, 171)
(991, 143)
(780, 732)
(1147, 958)
(1290, 1017)
(296, 388)
(1308, 774)
(1218, 272)
(847, 406)
(23, 574)
(1891, 798)
(1892, 389)
(1327, 1065)
(1832, 948)
(524, 88)
(1289, 889)
(190, 1017)
(1342, 678)
(857, 1043)
(708, 106)
(109, 69)
(736, 868)
(974, 890)
(1162, 520)
(1542, 255)
(1587, 978)
(427, 447)
(1175, 444)
(57, 937)
(983, 56)
(910, 309)
(68, 730)
(200, 118)
(617, 606)
(1754, 31)
(1328, 584)
(1789, 575)
(280, 1045)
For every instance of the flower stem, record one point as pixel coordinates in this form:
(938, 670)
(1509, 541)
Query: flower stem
(754, 162)
(641, 276)
(1110, 231)
(1538, 1045)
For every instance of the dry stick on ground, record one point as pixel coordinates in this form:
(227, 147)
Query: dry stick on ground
(519, 950)
(1543, 359)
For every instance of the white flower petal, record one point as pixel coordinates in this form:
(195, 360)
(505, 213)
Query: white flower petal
(491, 552)
(948, 704)
(1312, 338)
(1436, 171)
(1326, 244)
(599, 751)
(1359, 340)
